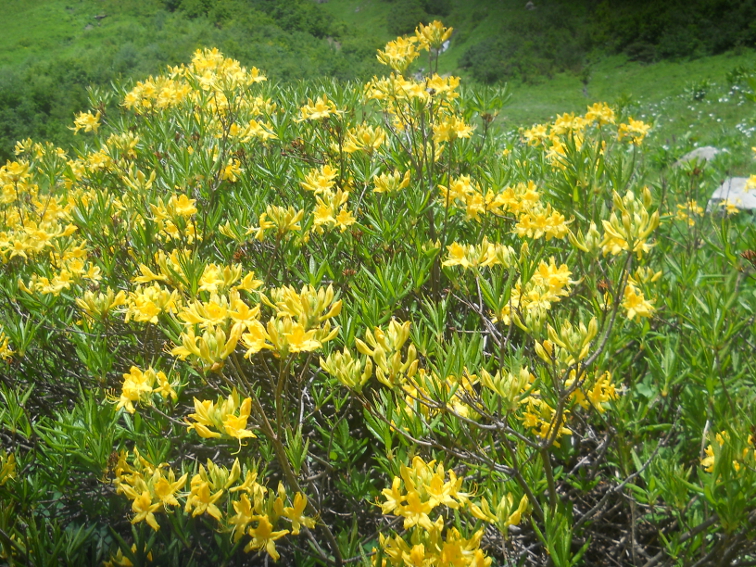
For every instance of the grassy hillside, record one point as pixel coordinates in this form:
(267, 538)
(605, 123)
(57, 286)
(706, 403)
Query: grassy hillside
(52, 50)
(691, 103)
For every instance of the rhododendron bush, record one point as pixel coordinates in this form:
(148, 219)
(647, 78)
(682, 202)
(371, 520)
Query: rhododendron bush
(331, 323)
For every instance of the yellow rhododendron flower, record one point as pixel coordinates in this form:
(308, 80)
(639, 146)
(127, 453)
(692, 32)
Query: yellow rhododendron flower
(321, 108)
(7, 467)
(635, 303)
(143, 507)
(228, 416)
(634, 130)
(263, 536)
(201, 500)
(87, 121)
(139, 386)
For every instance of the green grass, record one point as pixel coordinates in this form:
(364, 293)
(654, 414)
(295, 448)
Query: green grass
(660, 93)
(49, 29)
(362, 17)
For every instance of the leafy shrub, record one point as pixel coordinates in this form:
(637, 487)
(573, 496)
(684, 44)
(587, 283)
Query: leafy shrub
(405, 15)
(242, 315)
(648, 31)
(534, 46)
(437, 7)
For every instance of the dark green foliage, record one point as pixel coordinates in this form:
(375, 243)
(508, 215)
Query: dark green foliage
(558, 36)
(649, 31)
(537, 44)
(440, 8)
(286, 39)
(405, 15)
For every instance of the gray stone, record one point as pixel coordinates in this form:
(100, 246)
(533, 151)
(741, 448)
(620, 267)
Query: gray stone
(734, 190)
(704, 153)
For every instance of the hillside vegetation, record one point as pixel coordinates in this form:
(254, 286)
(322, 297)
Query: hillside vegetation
(337, 322)
(333, 323)
(52, 50)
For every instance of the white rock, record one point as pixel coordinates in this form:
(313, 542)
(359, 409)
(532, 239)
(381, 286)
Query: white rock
(734, 190)
(704, 153)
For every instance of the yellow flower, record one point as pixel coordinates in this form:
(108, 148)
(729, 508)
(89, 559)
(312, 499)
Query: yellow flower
(283, 219)
(635, 303)
(320, 180)
(7, 467)
(391, 182)
(145, 304)
(600, 113)
(485, 254)
(86, 121)
(321, 108)
(296, 514)
(416, 557)
(398, 54)
(244, 515)
(364, 138)
(222, 416)
(301, 341)
(709, 460)
(635, 130)
(212, 348)
(263, 536)
(98, 305)
(433, 35)
(385, 349)
(730, 207)
(539, 222)
(256, 339)
(143, 507)
(331, 210)
(457, 256)
(450, 128)
(508, 385)
(231, 171)
(5, 351)
(138, 386)
(200, 500)
(182, 205)
(350, 372)
(630, 224)
(751, 183)
(165, 488)
(345, 219)
(203, 417)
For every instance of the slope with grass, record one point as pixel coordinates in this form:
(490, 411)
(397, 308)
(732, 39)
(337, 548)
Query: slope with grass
(52, 50)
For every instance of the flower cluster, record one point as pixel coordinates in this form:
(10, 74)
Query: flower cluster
(423, 489)
(485, 254)
(568, 133)
(630, 225)
(7, 467)
(385, 350)
(530, 301)
(139, 386)
(714, 454)
(207, 267)
(154, 489)
(150, 488)
(229, 416)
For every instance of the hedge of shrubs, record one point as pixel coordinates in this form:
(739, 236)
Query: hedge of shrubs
(332, 324)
